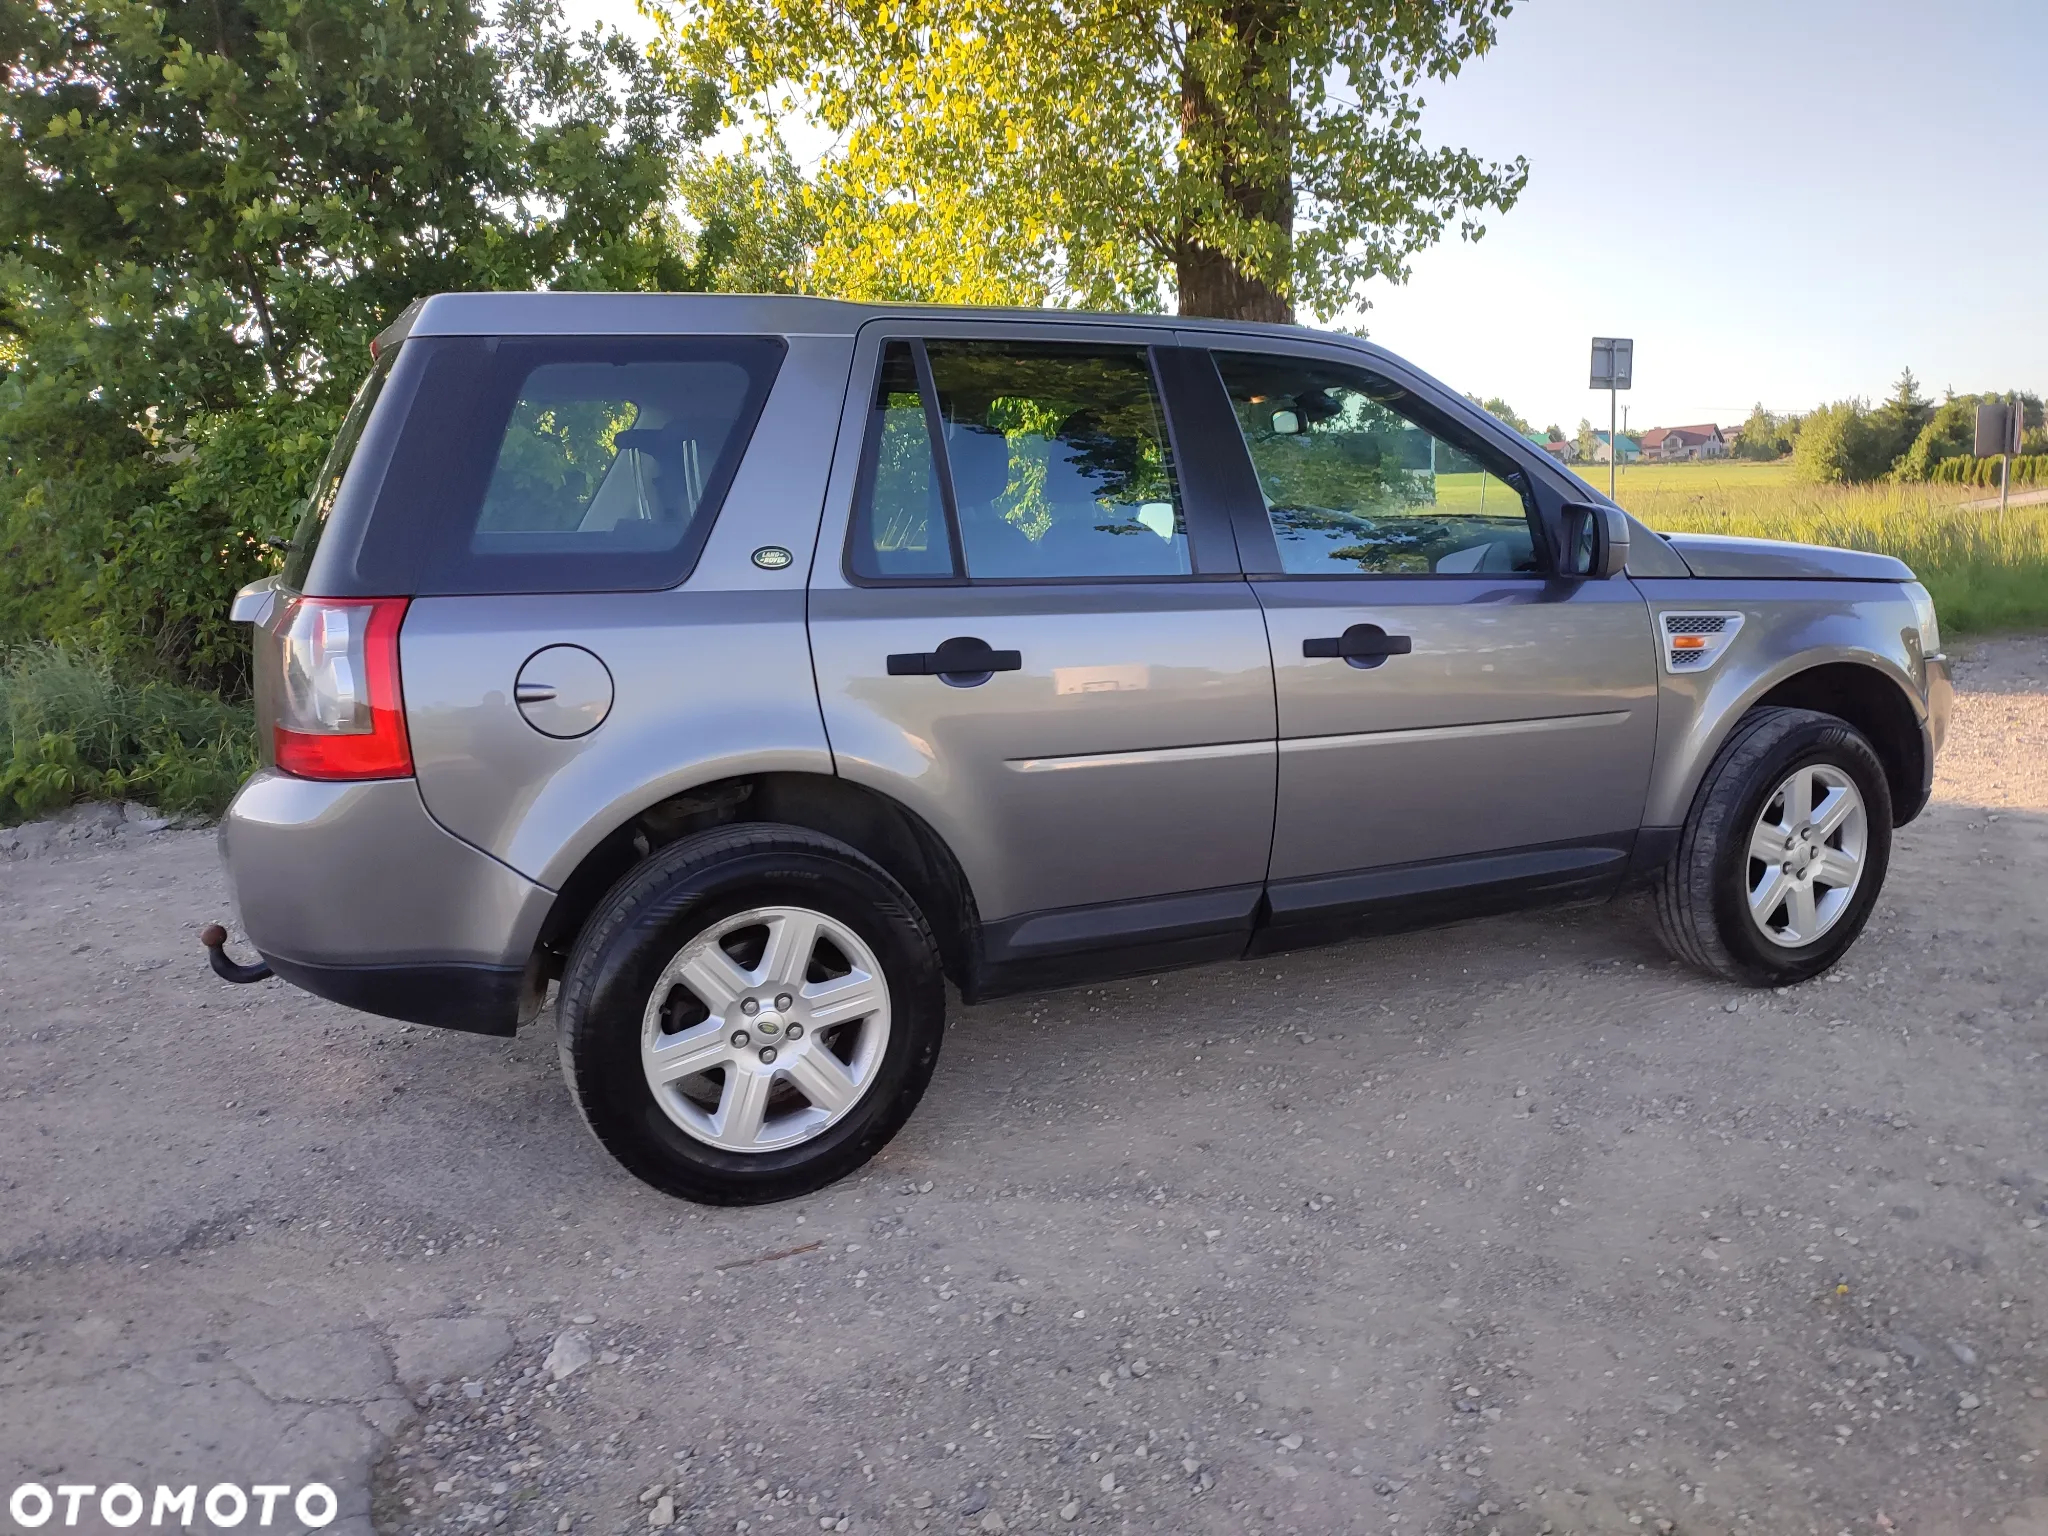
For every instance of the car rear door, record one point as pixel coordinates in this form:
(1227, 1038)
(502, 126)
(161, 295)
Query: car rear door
(1029, 628)
(1454, 717)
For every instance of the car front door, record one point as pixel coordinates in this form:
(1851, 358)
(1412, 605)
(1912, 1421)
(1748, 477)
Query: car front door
(1455, 718)
(1035, 640)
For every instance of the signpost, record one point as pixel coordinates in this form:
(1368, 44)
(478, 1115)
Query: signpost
(1614, 359)
(2000, 427)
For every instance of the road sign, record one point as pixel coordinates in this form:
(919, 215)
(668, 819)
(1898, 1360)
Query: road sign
(1994, 429)
(1613, 362)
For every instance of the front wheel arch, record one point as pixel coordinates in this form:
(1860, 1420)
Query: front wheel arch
(1878, 708)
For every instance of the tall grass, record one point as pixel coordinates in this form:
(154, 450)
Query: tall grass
(72, 728)
(1987, 571)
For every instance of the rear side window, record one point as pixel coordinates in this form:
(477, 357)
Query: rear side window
(1051, 463)
(615, 456)
(902, 524)
(570, 464)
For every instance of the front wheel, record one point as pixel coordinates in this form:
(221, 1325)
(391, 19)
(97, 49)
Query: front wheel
(1784, 851)
(750, 1014)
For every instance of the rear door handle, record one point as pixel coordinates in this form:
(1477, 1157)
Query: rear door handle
(963, 660)
(1362, 645)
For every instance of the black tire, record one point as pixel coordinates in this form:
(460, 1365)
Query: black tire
(660, 906)
(1702, 894)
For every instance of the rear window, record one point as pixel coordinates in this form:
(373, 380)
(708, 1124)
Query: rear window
(584, 464)
(313, 520)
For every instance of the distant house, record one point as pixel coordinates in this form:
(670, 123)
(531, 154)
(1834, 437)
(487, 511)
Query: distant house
(1671, 443)
(1560, 450)
(1603, 452)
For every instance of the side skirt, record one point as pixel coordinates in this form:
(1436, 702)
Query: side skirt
(1322, 909)
(1073, 945)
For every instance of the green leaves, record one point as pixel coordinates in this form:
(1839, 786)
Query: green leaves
(206, 211)
(1259, 155)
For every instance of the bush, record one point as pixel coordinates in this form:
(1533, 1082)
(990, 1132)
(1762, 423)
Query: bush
(76, 729)
(1838, 444)
(2027, 469)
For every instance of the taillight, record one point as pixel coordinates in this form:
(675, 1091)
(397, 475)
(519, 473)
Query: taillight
(340, 713)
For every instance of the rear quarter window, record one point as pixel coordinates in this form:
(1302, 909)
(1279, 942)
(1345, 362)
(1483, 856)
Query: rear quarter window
(561, 464)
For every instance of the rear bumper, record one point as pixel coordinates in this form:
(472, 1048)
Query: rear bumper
(478, 999)
(352, 891)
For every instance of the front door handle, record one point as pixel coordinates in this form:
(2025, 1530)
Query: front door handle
(1362, 645)
(962, 661)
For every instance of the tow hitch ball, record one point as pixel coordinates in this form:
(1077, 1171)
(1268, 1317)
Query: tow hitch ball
(215, 938)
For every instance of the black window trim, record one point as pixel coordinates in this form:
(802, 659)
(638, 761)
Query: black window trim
(1217, 541)
(1260, 546)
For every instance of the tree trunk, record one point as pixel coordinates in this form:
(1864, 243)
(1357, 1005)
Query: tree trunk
(1211, 283)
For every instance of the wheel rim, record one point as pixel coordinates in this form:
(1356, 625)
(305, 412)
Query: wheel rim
(766, 1029)
(1806, 856)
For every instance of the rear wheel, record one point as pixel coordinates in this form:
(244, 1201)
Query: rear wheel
(1784, 852)
(751, 1014)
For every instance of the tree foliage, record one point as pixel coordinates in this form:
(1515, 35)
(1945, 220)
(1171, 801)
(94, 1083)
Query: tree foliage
(1898, 421)
(1502, 412)
(1252, 157)
(205, 211)
(1837, 444)
(1765, 436)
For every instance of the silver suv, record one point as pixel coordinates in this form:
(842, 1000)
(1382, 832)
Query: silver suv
(753, 667)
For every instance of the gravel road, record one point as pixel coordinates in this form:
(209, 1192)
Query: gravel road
(1510, 1227)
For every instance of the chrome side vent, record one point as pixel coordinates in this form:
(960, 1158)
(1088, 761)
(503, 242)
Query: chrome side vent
(1693, 642)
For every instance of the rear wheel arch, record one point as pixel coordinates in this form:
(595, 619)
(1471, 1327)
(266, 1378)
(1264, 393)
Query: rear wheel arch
(1875, 705)
(891, 834)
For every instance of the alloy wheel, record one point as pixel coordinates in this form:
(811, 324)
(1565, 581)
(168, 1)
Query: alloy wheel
(1806, 855)
(766, 1029)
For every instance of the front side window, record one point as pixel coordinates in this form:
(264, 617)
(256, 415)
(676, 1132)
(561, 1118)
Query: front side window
(1055, 454)
(1354, 486)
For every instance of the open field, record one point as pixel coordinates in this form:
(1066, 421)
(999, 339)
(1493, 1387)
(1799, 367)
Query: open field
(1708, 475)
(1514, 1226)
(1988, 572)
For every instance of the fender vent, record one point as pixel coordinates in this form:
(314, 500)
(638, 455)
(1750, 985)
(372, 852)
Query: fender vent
(1693, 642)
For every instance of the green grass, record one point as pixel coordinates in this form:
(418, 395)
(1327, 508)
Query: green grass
(1730, 474)
(1987, 572)
(73, 728)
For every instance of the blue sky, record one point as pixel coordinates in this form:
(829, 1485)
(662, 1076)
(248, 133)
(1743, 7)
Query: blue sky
(1785, 200)
(1779, 200)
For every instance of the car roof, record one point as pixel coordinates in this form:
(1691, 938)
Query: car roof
(644, 314)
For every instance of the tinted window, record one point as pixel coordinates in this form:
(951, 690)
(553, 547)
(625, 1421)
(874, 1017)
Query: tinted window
(603, 456)
(900, 521)
(570, 464)
(1353, 484)
(313, 521)
(1058, 460)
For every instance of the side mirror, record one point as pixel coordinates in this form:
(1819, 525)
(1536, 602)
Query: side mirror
(1595, 540)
